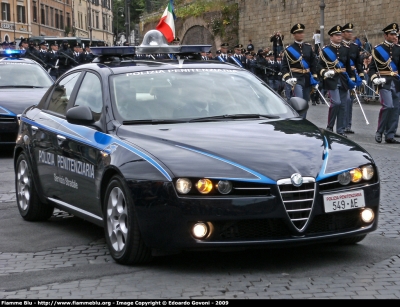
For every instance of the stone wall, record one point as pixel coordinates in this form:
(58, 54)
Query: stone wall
(258, 19)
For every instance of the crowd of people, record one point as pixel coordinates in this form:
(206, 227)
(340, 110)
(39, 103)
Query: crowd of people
(56, 59)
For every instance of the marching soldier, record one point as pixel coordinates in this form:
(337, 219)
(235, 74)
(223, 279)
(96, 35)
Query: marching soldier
(334, 66)
(34, 54)
(237, 58)
(299, 65)
(356, 66)
(52, 60)
(43, 51)
(383, 71)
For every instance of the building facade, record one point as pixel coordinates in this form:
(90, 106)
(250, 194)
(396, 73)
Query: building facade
(15, 20)
(93, 19)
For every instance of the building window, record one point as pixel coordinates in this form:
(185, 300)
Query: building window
(68, 20)
(5, 11)
(42, 15)
(97, 21)
(61, 20)
(52, 17)
(35, 19)
(47, 15)
(57, 20)
(21, 14)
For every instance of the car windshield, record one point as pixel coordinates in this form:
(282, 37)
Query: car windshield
(23, 75)
(194, 94)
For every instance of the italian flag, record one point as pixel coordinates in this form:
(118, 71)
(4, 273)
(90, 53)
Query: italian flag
(167, 23)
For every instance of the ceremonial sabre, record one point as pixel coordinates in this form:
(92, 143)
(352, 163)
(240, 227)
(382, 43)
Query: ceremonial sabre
(322, 96)
(362, 110)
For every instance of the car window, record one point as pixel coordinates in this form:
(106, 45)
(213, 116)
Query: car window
(192, 93)
(62, 92)
(90, 95)
(22, 74)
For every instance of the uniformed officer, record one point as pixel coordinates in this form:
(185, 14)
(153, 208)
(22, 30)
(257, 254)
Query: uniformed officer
(43, 51)
(23, 44)
(334, 66)
(383, 71)
(250, 46)
(278, 68)
(261, 60)
(52, 60)
(299, 65)
(272, 72)
(237, 57)
(223, 56)
(34, 54)
(204, 56)
(251, 63)
(88, 56)
(356, 66)
(77, 55)
(65, 57)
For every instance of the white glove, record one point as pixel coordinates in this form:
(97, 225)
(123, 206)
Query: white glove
(383, 80)
(378, 81)
(316, 86)
(56, 67)
(291, 81)
(364, 82)
(279, 74)
(329, 74)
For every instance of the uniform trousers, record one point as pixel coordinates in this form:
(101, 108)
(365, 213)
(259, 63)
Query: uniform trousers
(389, 114)
(348, 113)
(302, 92)
(338, 98)
(274, 84)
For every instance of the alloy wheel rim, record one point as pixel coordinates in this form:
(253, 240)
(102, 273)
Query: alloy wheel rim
(117, 219)
(23, 185)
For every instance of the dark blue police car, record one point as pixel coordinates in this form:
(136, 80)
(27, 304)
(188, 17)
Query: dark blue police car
(23, 83)
(180, 154)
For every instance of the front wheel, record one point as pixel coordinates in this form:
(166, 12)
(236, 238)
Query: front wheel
(121, 227)
(29, 205)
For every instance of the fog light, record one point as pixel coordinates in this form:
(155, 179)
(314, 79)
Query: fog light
(204, 186)
(200, 230)
(183, 185)
(367, 172)
(367, 215)
(356, 175)
(344, 178)
(224, 186)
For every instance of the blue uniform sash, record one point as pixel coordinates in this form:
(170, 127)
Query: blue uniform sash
(221, 59)
(237, 61)
(296, 56)
(358, 78)
(385, 56)
(332, 57)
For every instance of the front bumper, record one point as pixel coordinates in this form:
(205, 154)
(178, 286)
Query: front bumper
(166, 220)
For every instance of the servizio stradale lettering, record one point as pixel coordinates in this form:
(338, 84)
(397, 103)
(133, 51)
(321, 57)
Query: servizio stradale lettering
(64, 180)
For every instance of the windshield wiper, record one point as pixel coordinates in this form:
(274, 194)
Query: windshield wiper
(234, 116)
(151, 121)
(22, 86)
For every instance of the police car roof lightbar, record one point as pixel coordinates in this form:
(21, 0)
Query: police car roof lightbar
(11, 53)
(153, 42)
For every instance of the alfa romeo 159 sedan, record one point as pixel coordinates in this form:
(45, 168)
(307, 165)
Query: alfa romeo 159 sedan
(179, 154)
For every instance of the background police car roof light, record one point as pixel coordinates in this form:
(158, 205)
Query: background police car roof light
(113, 51)
(11, 53)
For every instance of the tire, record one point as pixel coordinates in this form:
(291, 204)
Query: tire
(351, 240)
(121, 227)
(29, 205)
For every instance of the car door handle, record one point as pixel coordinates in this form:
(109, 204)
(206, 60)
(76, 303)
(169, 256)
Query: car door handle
(61, 139)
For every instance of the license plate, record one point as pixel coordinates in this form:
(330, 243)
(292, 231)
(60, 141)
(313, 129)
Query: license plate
(344, 201)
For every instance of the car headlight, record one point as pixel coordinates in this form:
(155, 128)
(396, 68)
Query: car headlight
(367, 172)
(356, 175)
(204, 186)
(344, 178)
(224, 186)
(183, 185)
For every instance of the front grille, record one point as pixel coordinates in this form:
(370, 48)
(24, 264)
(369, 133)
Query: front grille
(7, 119)
(332, 222)
(8, 137)
(298, 201)
(251, 230)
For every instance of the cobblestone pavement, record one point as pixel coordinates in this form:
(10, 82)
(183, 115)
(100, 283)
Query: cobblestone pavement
(276, 274)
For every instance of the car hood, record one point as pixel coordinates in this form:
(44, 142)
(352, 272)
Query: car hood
(17, 100)
(263, 151)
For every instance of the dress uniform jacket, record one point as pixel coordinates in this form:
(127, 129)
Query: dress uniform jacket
(296, 68)
(324, 64)
(355, 57)
(51, 61)
(385, 70)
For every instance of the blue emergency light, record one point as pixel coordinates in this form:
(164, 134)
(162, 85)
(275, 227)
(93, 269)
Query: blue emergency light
(11, 53)
(154, 42)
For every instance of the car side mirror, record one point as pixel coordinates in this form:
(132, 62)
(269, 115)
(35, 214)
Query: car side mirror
(299, 104)
(80, 115)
